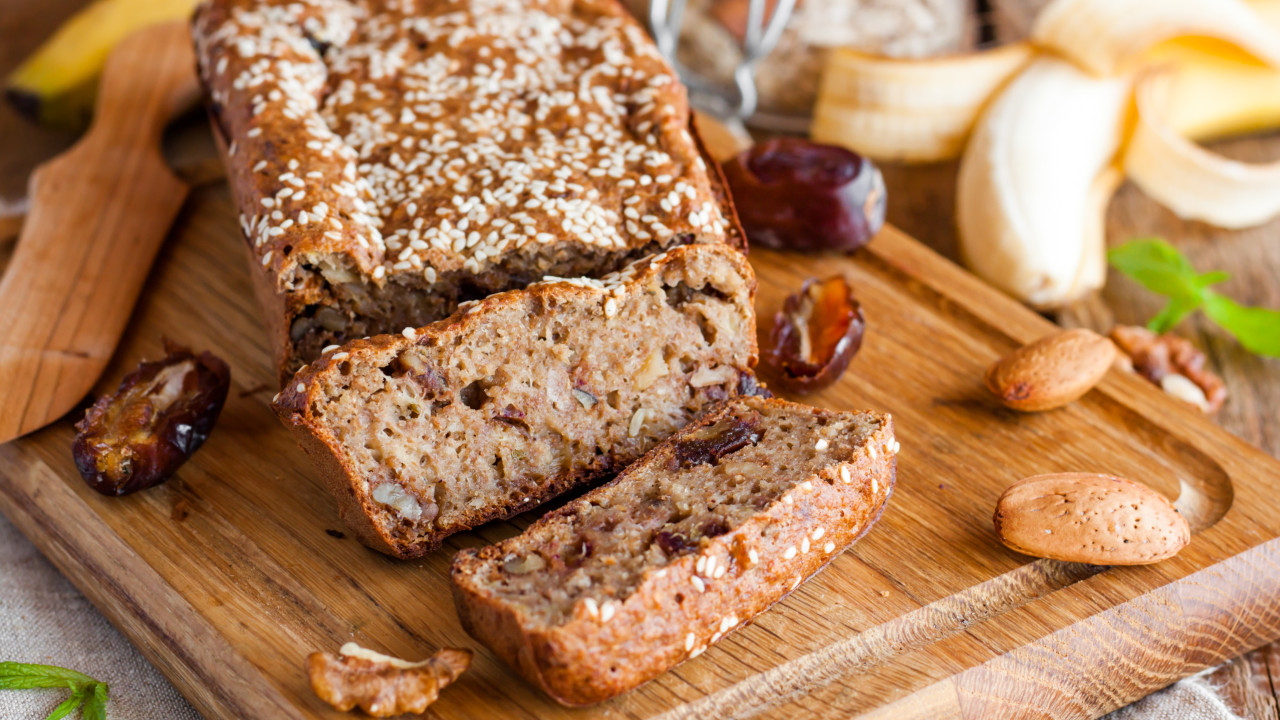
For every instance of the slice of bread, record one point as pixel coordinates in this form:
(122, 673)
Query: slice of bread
(523, 395)
(705, 532)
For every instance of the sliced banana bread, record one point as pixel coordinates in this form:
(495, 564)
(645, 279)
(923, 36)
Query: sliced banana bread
(519, 397)
(705, 532)
(391, 159)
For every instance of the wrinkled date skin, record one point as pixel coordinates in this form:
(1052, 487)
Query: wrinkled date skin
(705, 446)
(162, 412)
(793, 194)
(814, 336)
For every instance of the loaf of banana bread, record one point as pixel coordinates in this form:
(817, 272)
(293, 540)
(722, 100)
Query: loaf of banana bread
(392, 159)
(516, 398)
(698, 537)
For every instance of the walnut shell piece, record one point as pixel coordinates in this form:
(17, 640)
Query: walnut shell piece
(381, 685)
(1089, 518)
(163, 411)
(1051, 372)
(1174, 364)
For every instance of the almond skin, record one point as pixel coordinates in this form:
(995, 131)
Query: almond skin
(1052, 371)
(1089, 518)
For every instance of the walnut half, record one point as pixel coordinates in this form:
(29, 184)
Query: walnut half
(382, 685)
(1174, 364)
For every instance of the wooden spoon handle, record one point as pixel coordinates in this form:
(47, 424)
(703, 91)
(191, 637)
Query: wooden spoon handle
(99, 214)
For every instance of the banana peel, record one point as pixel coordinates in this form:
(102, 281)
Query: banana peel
(57, 85)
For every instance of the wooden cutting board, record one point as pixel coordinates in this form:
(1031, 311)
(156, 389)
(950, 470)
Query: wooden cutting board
(230, 574)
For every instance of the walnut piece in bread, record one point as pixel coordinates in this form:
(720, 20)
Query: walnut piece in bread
(698, 537)
(517, 398)
(381, 685)
(390, 160)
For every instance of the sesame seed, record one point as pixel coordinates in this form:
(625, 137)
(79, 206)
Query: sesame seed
(697, 651)
(807, 486)
(752, 556)
(698, 584)
(787, 499)
(701, 565)
(844, 474)
(896, 447)
(828, 548)
(875, 486)
(720, 571)
(796, 583)
(328, 349)
(301, 388)
(606, 612)
(821, 445)
(339, 356)
(789, 553)
(871, 450)
(711, 565)
(804, 545)
(610, 307)
(409, 333)
(818, 533)
(688, 642)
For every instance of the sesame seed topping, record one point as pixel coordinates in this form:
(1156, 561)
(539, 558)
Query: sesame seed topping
(896, 447)
(301, 388)
(592, 608)
(818, 533)
(871, 450)
(804, 545)
(796, 583)
(829, 547)
(789, 553)
(410, 333)
(875, 486)
(698, 584)
(688, 642)
(606, 611)
(752, 556)
(807, 486)
(511, 123)
(844, 474)
(329, 348)
(821, 445)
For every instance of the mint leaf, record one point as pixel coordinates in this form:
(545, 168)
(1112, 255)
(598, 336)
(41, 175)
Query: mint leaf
(1162, 269)
(24, 676)
(66, 707)
(1257, 329)
(1173, 313)
(1157, 265)
(87, 694)
(95, 705)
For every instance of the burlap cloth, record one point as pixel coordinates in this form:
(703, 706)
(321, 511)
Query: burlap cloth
(43, 619)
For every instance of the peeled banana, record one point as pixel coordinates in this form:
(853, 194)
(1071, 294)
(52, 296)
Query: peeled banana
(58, 83)
(1107, 36)
(911, 110)
(1035, 180)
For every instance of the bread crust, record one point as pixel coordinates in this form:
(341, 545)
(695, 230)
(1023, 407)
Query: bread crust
(586, 661)
(284, 261)
(297, 403)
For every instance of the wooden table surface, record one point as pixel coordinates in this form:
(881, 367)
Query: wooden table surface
(1251, 682)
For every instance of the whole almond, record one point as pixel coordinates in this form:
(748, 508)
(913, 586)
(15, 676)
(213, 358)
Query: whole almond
(1051, 371)
(1089, 518)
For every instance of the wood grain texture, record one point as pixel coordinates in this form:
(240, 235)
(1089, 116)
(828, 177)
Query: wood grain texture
(78, 267)
(226, 576)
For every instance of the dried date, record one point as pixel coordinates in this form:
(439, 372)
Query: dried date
(793, 194)
(705, 446)
(814, 336)
(162, 412)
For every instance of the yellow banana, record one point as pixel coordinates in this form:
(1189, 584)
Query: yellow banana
(911, 110)
(1108, 36)
(58, 83)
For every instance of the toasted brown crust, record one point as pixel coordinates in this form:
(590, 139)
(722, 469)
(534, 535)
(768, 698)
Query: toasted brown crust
(586, 661)
(296, 404)
(259, 144)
